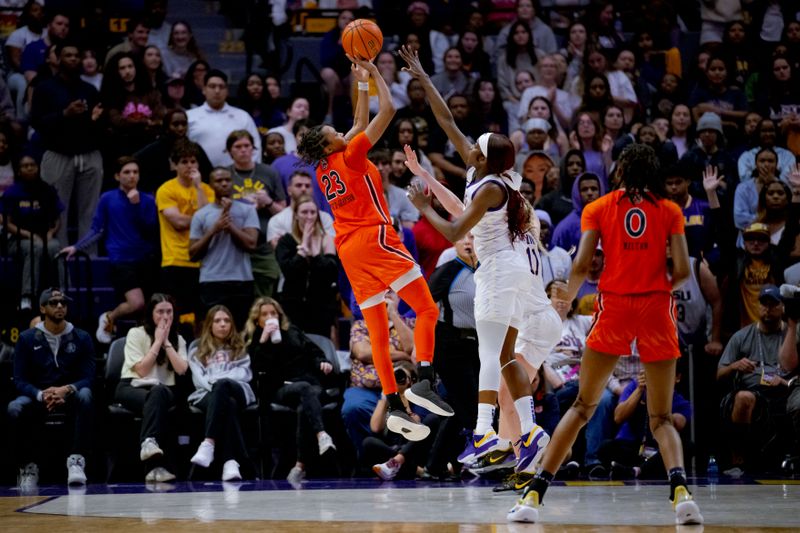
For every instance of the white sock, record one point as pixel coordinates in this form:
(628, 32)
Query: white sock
(485, 418)
(524, 408)
(505, 444)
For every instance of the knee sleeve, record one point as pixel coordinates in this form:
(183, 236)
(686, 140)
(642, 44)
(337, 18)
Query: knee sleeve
(491, 336)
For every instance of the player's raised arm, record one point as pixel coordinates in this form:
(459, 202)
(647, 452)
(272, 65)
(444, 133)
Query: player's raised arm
(449, 201)
(377, 126)
(361, 105)
(438, 105)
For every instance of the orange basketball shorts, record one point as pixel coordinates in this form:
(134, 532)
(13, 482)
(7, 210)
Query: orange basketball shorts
(649, 319)
(375, 259)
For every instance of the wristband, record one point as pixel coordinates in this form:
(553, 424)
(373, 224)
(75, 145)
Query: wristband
(363, 86)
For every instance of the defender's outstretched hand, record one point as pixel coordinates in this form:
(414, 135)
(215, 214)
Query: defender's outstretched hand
(414, 66)
(416, 193)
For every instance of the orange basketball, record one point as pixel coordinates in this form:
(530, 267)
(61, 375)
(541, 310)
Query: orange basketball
(362, 39)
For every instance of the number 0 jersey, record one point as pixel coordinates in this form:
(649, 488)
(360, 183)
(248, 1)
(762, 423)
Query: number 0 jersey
(352, 186)
(634, 239)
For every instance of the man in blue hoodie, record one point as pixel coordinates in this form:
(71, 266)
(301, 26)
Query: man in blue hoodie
(585, 190)
(53, 371)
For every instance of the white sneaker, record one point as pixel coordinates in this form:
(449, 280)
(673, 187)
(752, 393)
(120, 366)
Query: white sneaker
(28, 480)
(686, 509)
(325, 443)
(25, 303)
(159, 475)
(205, 454)
(103, 333)
(75, 470)
(296, 477)
(388, 470)
(230, 471)
(150, 449)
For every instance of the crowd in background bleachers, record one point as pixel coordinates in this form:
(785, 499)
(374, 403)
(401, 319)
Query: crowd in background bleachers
(230, 300)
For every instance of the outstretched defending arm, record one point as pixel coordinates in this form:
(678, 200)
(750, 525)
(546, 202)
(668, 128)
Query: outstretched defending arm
(448, 200)
(438, 105)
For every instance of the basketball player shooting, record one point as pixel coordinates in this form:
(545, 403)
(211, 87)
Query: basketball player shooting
(372, 254)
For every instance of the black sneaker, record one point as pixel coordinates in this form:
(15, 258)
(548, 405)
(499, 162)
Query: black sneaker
(597, 472)
(570, 471)
(422, 394)
(620, 471)
(516, 481)
(400, 422)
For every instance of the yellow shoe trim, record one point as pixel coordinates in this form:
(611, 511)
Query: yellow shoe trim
(681, 495)
(489, 435)
(531, 499)
(532, 434)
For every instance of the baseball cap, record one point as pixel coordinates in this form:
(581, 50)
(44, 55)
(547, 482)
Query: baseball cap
(769, 292)
(52, 292)
(536, 124)
(710, 121)
(419, 6)
(756, 228)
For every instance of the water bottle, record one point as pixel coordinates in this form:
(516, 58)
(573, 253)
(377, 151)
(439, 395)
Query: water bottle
(713, 469)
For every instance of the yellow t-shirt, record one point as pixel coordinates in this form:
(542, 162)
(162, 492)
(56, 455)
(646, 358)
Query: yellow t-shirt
(174, 243)
(756, 275)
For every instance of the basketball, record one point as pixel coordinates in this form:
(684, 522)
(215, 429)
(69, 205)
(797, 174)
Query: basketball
(362, 39)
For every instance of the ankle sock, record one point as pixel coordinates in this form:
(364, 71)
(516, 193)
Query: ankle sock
(425, 371)
(541, 482)
(485, 418)
(524, 408)
(395, 402)
(677, 478)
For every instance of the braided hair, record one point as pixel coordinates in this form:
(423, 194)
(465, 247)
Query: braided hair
(639, 172)
(499, 161)
(311, 147)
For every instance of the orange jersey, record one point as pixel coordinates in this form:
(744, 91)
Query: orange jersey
(634, 239)
(352, 186)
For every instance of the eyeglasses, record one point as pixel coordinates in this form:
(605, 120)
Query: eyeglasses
(54, 302)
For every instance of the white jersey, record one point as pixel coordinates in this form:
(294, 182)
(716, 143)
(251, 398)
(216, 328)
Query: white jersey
(493, 238)
(690, 303)
(491, 232)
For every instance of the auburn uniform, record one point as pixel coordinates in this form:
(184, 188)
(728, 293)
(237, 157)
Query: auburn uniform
(635, 293)
(372, 254)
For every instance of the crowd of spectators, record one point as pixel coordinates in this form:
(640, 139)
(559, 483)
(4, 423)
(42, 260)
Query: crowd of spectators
(216, 231)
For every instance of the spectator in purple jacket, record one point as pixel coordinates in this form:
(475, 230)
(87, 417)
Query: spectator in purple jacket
(587, 188)
(127, 220)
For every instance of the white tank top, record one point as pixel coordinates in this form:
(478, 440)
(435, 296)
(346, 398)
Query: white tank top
(492, 235)
(529, 249)
(491, 232)
(690, 303)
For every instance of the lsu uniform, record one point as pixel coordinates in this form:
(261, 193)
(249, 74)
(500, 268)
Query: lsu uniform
(634, 300)
(509, 288)
(372, 254)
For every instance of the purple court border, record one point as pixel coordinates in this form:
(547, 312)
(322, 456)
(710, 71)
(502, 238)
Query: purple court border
(54, 491)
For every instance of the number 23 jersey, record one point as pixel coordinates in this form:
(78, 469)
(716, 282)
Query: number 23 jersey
(352, 185)
(634, 239)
